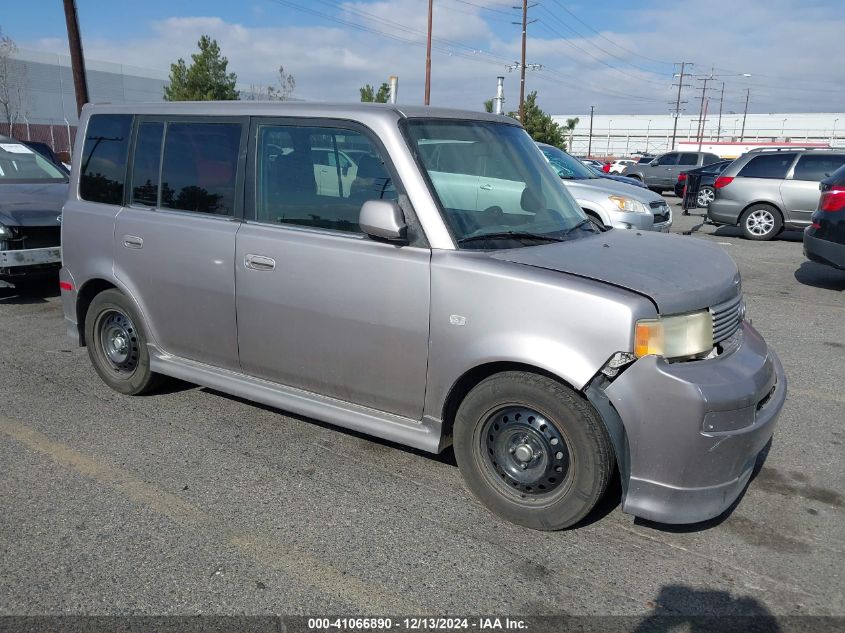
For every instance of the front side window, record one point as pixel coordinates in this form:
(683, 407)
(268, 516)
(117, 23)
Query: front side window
(317, 176)
(103, 168)
(774, 165)
(816, 167)
(667, 160)
(199, 168)
(494, 188)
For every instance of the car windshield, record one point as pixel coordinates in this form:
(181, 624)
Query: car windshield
(494, 188)
(566, 166)
(18, 163)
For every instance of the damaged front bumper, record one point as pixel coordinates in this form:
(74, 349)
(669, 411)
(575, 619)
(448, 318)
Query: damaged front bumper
(693, 430)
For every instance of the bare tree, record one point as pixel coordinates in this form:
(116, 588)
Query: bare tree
(12, 80)
(280, 92)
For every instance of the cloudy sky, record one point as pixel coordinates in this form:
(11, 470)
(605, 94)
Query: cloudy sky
(616, 55)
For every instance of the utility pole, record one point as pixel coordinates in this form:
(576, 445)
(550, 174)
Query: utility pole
(678, 103)
(721, 102)
(77, 60)
(701, 107)
(525, 24)
(590, 142)
(745, 114)
(428, 56)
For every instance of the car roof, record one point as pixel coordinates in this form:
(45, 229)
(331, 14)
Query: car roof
(303, 109)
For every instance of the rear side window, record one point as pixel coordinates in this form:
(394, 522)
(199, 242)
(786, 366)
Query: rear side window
(816, 167)
(199, 168)
(767, 166)
(306, 178)
(103, 169)
(688, 159)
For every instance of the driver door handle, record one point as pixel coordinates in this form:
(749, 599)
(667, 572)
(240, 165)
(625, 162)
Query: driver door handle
(486, 187)
(259, 262)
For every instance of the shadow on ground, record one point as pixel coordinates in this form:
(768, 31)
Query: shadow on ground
(819, 276)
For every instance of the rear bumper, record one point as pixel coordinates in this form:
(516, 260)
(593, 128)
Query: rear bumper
(21, 262)
(824, 251)
(694, 430)
(722, 211)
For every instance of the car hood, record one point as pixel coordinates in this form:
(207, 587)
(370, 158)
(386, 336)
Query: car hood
(610, 187)
(32, 204)
(679, 274)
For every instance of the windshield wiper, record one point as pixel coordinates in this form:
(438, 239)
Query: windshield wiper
(510, 235)
(577, 226)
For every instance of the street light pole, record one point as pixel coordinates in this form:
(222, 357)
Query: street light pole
(428, 56)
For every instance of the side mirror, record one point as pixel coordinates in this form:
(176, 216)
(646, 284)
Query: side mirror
(382, 219)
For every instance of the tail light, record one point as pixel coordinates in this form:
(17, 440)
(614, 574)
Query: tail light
(833, 200)
(682, 177)
(723, 181)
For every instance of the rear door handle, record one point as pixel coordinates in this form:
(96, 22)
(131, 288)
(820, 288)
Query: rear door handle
(133, 241)
(259, 262)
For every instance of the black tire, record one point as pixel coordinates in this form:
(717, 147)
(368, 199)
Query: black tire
(761, 222)
(571, 458)
(705, 193)
(113, 321)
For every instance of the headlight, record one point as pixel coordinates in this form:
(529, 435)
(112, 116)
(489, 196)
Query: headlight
(628, 205)
(676, 336)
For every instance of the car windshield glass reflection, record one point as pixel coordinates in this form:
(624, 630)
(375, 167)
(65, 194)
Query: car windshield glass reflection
(495, 189)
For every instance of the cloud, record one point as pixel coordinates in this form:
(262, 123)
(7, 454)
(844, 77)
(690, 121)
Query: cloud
(789, 47)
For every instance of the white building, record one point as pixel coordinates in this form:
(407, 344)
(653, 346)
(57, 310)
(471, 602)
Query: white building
(625, 134)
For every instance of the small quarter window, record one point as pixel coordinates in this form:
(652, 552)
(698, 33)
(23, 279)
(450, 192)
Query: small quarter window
(103, 168)
(146, 163)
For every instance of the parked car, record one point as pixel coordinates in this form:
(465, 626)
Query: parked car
(590, 162)
(769, 189)
(708, 174)
(662, 172)
(427, 306)
(617, 166)
(824, 239)
(610, 202)
(629, 181)
(32, 192)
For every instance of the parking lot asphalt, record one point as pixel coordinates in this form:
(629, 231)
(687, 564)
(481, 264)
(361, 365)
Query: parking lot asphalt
(190, 501)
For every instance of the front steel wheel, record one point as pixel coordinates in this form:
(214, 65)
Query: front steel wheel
(532, 450)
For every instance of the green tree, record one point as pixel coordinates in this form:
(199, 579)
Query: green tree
(370, 95)
(541, 126)
(205, 79)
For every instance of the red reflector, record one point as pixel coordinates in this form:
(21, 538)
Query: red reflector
(723, 181)
(682, 177)
(65, 285)
(833, 200)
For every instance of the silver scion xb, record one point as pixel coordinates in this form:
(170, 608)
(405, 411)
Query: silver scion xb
(419, 301)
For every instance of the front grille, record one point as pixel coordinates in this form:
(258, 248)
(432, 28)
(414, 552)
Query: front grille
(726, 318)
(28, 237)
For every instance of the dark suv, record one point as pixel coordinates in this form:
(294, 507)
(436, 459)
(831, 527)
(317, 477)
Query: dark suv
(662, 172)
(770, 189)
